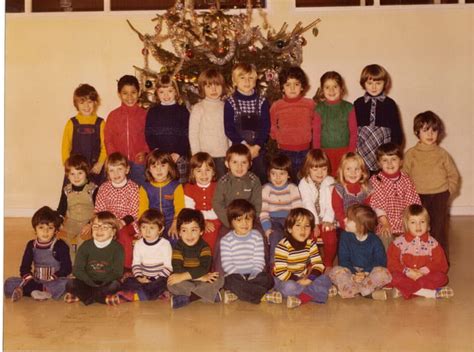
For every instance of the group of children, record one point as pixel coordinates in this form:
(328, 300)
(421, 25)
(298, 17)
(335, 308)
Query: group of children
(161, 223)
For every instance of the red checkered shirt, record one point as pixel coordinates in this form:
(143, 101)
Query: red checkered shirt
(391, 196)
(121, 201)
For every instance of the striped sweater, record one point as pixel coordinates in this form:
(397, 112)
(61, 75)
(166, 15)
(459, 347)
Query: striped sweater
(242, 254)
(152, 259)
(195, 260)
(277, 202)
(294, 263)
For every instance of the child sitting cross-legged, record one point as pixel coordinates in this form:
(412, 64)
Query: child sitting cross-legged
(416, 260)
(362, 260)
(298, 266)
(151, 264)
(191, 279)
(47, 256)
(98, 265)
(243, 258)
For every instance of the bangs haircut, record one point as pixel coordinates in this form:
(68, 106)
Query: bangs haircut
(375, 73)
(108, 218)
(116, 159)
(45, 216)
(389, 149)
(165, 81)
(238, 208)
(197, 160)
(429, 119)
(364, 217)
(187, 216)
(297, 73)
(152, 216)
(211, 76)
(128, 80)
(314, 158)
(159, 157)
(415, 210)
(243, 68)
(327, 76)
(238, 149)
(298, 213)
(78, 162)
(280, 162)
(85, 92)
(344, 160)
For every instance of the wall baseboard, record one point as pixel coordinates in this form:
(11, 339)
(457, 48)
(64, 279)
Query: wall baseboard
(28, 213)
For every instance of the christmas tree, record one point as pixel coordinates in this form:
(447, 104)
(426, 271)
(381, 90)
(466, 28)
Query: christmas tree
(215, 38)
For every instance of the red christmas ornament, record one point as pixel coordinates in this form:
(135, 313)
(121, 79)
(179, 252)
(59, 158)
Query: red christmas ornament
(144, 51)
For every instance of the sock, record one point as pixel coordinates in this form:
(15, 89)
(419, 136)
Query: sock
(194, 297)
(305, 298)
(424, 292)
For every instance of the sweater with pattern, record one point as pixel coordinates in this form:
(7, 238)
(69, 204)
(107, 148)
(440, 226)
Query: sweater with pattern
(120, 201)
(294, 260)
(416, 252)
(291, 123)
(431, 168)
(277, 202)
(98, 266)
(152, 260)
(195, 260)
(242, 254)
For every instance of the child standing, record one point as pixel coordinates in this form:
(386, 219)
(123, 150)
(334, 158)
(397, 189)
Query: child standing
(191, 279)
(377, 115)
(167, 125)
(392, 192)
(362, 260)
(298, 265)
(163, 191)
(84, 133)
(243, 258)
(246, 116)
(46, 262)
(151, 260)
(292, 118)
(120, 197)
(76, 205)
(206, 123)
(434, 173)
(335, 124)
(316, 187)
(125, 128)
(278, 198)
(352, 187)
(198, 194)
(416, 260)
(99, 264)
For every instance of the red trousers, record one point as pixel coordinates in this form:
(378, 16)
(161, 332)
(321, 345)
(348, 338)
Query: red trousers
(211, 236)
(329, 251)
(126, 236)
(335, 156)
(408, 286)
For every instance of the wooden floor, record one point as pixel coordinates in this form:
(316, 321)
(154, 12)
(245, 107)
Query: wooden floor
(340, 325)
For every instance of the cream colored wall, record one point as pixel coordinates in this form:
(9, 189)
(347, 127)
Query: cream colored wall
(429, 52)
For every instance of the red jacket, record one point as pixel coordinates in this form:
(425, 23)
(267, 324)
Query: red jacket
(125, 131)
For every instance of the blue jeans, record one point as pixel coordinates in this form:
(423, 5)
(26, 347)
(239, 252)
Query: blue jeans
(278, 227)
(317, 290)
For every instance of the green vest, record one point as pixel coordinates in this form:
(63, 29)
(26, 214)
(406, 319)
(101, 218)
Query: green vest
(334, 124)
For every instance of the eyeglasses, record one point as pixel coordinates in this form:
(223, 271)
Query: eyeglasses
(101, 227)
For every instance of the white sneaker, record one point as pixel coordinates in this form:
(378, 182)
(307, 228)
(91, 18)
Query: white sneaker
(41, 295)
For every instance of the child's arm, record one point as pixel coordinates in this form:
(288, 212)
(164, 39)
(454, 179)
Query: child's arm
(109, 135)
(27, 262)
(317, 266)
(218, 203)
(274, 121)
(62, 206)
(143, 202)
(258, 260)
(80, 263)
(194, 125)
(344, 253)
(296, 201)
(394, 263)
(307, 198)
(338, 206)
(280, 269)
(117, 264)
(438, 262)
(452, 175)
(256, 196)
(228, 265)
(100, 201)
(61, 254)
(137, 261)
(396, 131)
(229, 124)
(316, 131)
(352, 123)
(66, 145)
(265, 213)
(95, 169)
(380, 257)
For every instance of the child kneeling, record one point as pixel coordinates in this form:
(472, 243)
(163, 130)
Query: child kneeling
(298, 265)
(243, 258)
(98, 265)
(191, 279)
(49, 258)
(362, 260)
